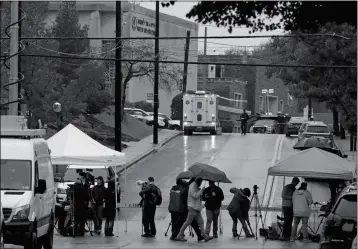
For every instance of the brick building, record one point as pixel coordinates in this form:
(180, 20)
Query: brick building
(244, 83)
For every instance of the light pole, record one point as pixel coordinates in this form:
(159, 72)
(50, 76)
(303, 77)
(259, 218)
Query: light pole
(57, 107)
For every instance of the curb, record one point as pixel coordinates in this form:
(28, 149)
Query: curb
(152, 151)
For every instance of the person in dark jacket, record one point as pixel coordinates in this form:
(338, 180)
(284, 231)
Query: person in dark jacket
(180, 217)
(149, 208)
(287, 207)
(239, 210)
(98, 195)
(176, 207)
(244, 117)
(110, 208)
(213, 197)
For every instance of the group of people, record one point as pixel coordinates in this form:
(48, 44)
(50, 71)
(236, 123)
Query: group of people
(99, 199)
(185, 206)
(296, 207)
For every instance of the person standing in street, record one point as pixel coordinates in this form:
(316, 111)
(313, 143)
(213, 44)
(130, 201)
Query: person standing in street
(194, 210)
(176, 207)
(244, 117)
(239, 210)
(301, 199)
(150, 195)
(287, 207)
(213, 197)
(98, 194)
(110, 208)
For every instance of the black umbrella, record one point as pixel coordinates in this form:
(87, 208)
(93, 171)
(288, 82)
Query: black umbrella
(186, 175)
(209, 173)
(321, 143)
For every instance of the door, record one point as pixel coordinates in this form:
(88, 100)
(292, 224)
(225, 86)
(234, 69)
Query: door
(38, 204)
(199, 112)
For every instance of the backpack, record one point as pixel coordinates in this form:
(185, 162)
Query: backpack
(176, 201)
(157, 194)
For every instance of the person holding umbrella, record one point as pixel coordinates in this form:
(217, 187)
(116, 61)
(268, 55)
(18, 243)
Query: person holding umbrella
(213, 197)
(194, 210)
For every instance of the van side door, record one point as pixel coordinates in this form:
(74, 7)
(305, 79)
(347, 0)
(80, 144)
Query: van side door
(37, 203)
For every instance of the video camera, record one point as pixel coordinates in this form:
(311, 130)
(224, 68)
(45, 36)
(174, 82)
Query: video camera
(143, 184)
(89, 177)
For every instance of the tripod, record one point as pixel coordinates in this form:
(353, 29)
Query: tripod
(191, 233)
(255, 202)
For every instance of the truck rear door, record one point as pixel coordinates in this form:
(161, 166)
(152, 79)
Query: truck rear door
(200, 111)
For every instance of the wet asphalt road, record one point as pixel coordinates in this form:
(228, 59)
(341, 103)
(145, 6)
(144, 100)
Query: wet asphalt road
(244, 159)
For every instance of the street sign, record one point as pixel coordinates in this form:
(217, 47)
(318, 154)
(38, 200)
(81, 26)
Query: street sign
(264, 91)
(270, 90)
(150, 96)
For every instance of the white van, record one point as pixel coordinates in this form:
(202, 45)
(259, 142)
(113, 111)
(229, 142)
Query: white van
(27, 185)
(200, 113)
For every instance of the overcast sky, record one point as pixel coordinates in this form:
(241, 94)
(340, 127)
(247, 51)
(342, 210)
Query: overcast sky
(180, 9)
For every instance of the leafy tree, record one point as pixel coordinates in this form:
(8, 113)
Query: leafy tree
(290, 15)
(336, 87)
(67, 25)
(97, 102)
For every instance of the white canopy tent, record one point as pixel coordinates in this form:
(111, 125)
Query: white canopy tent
(314, 163)
(72, 146)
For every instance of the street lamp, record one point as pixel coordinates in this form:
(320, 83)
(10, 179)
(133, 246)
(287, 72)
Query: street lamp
(57, 107)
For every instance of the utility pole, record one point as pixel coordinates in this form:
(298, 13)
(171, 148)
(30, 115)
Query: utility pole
(22, 105)
(118, 80)
(14, 61)
(156, 75)
(205, 66)
(185, 73)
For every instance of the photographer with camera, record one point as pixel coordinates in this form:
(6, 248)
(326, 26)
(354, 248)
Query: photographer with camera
(98, 195)
(151, 197)
(79, 198)
(239, 210)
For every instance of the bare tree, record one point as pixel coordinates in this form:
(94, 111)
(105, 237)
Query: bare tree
(170, 75)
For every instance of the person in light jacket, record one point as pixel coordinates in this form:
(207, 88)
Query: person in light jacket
(301, 199)
(287, 207)
(194, 210)
(239, 210)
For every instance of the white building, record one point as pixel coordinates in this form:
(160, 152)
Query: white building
(100, 17)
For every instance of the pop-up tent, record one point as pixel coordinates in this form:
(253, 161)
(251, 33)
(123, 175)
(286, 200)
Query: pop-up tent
(72, 146)
(314, 163)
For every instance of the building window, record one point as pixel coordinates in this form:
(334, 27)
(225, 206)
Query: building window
(261, 103)
(238, 102)
(219, 71)
(289, 99)
(281, 106)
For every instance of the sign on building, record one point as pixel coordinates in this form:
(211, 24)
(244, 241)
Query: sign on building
(143, 26)
(150, 97)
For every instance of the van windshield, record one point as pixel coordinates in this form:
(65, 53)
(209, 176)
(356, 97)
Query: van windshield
(15, 175)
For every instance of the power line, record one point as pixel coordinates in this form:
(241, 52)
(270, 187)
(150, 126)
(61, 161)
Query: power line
(191, 62)
(184, 37)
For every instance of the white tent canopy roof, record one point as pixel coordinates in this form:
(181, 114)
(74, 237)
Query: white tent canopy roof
(72, 146)
(314, 163)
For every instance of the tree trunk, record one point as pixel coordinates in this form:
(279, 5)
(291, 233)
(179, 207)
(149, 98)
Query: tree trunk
(335, 121)
(123, 97)
(343, 132)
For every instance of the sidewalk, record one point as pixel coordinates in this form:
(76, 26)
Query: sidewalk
(145, 147)
(344, 145)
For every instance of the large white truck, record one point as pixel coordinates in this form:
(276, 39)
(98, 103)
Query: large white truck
(200, 113)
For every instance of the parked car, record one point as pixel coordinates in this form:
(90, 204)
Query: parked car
(340, 227)
(2, 222)
(293, 126)
(264, 126)
(71, 176)
(172, 124)
(314, 129)
(144, 116)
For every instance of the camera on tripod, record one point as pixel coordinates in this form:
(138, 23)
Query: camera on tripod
(255, 189)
